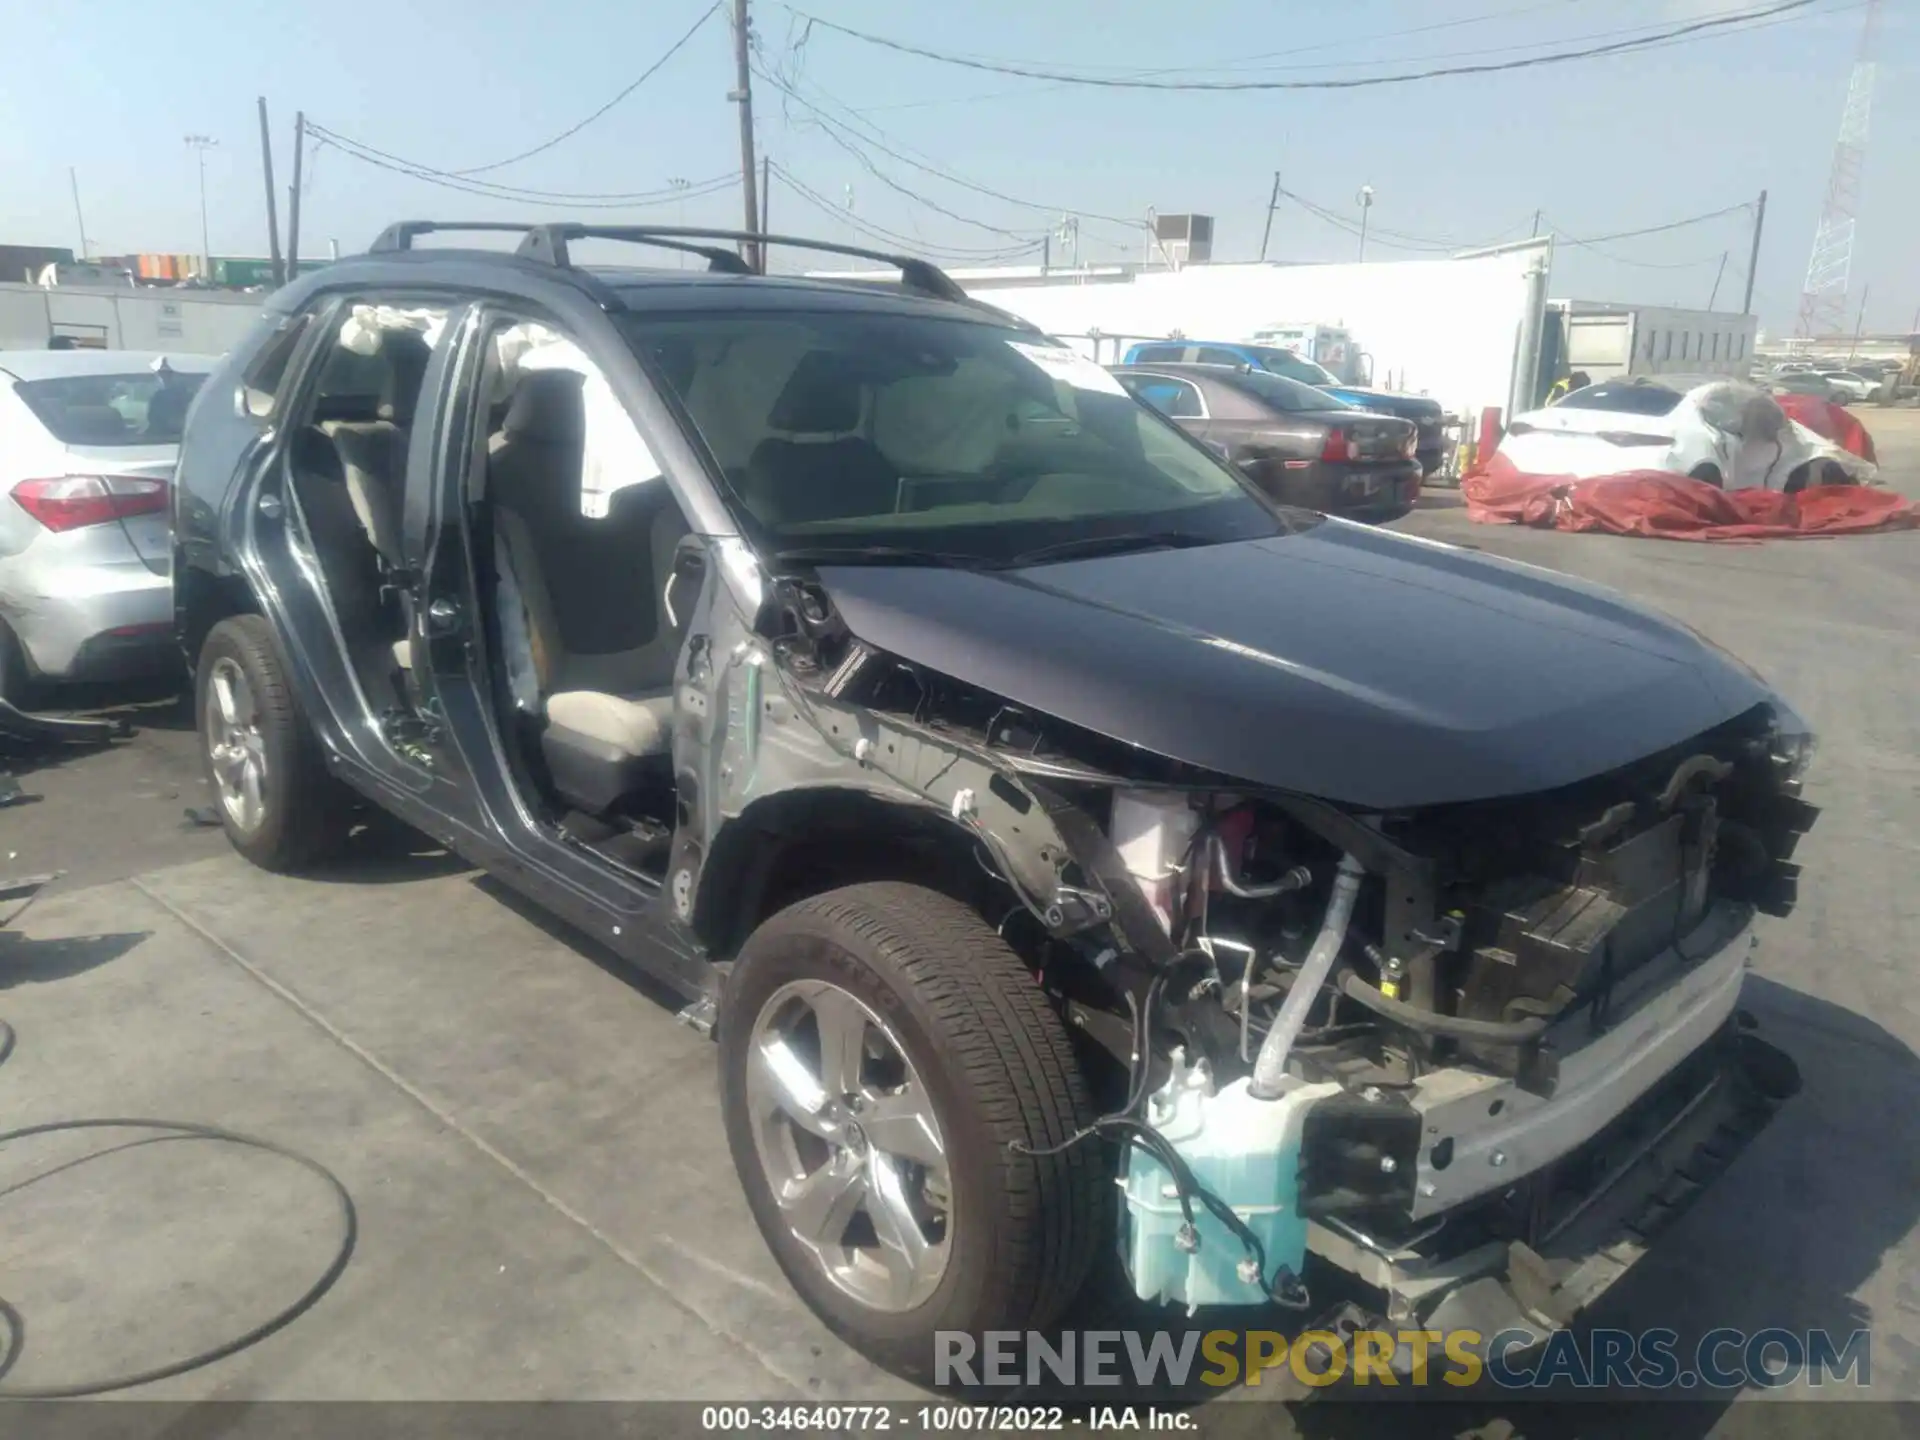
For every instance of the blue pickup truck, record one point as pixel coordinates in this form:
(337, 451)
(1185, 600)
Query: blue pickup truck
(1429, 419)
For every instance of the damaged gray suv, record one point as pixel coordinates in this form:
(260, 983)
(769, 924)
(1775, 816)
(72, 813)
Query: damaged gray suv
(1071, 849)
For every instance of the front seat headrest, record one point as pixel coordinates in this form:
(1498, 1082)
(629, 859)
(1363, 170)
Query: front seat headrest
(821, 397)
(547, 408)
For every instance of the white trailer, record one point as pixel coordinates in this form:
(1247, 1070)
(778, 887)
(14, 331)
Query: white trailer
(1606, 341)
(200, 323)
(1457, 329)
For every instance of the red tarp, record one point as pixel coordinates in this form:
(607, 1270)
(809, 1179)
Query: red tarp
(1829, 422)
(1672, 507)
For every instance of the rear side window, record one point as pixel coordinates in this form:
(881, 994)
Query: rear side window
(1173, 398)
(1159, 354)
(268, 373)
(142, 408)
(1218, 355)
(373, 369)
(1626, 398)
(1276, 392)
(1291, 366)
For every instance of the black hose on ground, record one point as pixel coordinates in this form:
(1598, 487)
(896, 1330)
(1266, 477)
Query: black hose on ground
(1452, 1027)
(175, 1130)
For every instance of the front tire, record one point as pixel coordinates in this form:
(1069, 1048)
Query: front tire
(887, 1068)
(279, 806)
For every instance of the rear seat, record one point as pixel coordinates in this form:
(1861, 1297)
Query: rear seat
(373, 453)
(603, 650)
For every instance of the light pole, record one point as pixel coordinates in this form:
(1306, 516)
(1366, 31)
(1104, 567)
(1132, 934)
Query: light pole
(1366, 204)
(679, 188)
(200, 144)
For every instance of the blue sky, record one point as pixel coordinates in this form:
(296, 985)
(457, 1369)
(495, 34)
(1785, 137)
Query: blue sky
(1600, 146)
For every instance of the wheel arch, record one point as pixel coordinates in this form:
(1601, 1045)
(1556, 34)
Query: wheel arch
(786, 847)
(201, 600)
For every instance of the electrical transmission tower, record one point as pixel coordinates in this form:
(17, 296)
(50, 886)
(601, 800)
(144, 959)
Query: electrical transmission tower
(1823, 302)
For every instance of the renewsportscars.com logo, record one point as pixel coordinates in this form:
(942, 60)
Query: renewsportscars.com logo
(1597, 1359)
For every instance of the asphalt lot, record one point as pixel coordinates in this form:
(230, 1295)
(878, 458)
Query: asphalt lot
(545, 1204)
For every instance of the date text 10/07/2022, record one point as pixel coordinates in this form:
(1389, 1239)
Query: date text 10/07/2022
(942, 1418)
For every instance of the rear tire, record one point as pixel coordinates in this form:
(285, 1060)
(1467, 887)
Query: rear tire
(291, 813)
(992, 1064)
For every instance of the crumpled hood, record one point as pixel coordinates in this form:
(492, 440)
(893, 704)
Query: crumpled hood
(1342, 661)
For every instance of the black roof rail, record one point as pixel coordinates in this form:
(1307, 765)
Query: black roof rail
(400, 234)
(548, 242)
(915, 274)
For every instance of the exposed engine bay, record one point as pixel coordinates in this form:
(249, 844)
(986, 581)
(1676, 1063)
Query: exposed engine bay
(1391, 1037)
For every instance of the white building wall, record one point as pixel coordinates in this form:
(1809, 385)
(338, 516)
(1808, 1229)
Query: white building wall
(1445, 328)
(196, 323)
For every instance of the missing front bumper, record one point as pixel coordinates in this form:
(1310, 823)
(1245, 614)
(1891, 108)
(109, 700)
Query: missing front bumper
(1541, 1253)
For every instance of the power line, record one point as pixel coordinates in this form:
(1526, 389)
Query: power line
(1032, 72)
(848, 145)
(1241, 64)
(1392, 239)
(572, 130)
(867, 134)
(586, 200)
(1437, 244)
(1745, 205)
(1652, 36)
(1250, 62)
(892, 237)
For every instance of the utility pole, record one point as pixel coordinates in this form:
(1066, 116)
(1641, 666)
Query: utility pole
(1273, 200)
(273, 201)
(1715, 293)
(293, 196)
(1858, 325)
(1366, 204)
(766, 191)
(200, 144)
(742, 95)
(73, 175)
(1753, 258)
(1536, 225)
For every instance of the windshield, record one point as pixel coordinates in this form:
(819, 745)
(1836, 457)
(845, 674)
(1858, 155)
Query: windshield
(1626, 397)
(851, 429)
(139, 409)
(1285, 362)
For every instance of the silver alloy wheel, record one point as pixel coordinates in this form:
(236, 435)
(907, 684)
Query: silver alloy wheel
(851, 1145)
(235, 745)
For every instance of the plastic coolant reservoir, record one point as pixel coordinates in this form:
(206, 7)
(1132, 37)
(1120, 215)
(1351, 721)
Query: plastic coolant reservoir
(1152, 834)
(1245, 1151)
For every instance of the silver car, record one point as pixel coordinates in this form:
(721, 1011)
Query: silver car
(88, 442)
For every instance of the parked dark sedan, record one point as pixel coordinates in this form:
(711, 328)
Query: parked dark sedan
(1429, 420)
(1297, 443)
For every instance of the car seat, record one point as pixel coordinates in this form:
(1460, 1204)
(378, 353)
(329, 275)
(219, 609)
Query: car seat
(589, 593)
(815, 467)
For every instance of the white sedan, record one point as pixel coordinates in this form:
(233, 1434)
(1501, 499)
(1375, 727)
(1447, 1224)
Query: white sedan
(88, 443)
(1851, 384)
(1725, 432)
